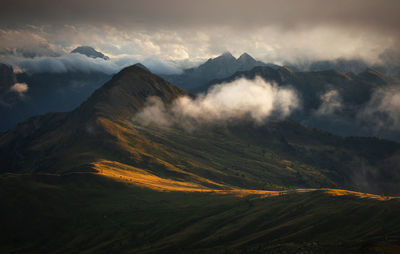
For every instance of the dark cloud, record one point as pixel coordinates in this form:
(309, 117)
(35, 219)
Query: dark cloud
(182, 29)
(289, 13)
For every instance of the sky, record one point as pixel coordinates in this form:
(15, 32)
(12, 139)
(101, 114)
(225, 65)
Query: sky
(187, 32)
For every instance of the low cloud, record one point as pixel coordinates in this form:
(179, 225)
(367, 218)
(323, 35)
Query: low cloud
(331, 103)
(256, 100)
(382, 112)
(78, 62)
(20, 88)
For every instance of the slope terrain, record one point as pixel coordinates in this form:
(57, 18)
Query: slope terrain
(113, 184)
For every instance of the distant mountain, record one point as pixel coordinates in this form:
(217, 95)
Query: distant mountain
(7, 79)
(214, 68)
(98, 181)
(46, 92)
(90, 52)
(352, 92)
(340, 64)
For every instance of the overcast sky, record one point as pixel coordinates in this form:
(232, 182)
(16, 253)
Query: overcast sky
(183, 30)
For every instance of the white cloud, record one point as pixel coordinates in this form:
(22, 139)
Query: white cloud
(241, 99)
(382, 112)
(20, 88)
(331, 103)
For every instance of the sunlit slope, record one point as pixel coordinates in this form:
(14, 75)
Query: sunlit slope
(278, 155)
(88, 213)
(138, 177)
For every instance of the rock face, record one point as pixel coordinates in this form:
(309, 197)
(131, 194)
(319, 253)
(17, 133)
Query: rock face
(89, 52)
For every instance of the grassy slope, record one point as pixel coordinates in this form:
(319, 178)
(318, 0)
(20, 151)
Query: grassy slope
(89, 213)
(279, 154)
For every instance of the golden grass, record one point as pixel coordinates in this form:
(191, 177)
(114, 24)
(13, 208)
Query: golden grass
(143, 178)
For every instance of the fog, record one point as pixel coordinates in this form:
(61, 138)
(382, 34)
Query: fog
(81, 63)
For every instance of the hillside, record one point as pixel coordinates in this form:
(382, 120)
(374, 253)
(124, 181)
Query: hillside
(278, 155)
(334, 101)
(87, 213)
(113, 184)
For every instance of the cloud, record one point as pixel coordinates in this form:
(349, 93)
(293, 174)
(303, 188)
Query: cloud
(27, 42)
(241, 99)
(20, 88)
(382, 112)
(272, 31)
(331, 103)
(78, 62)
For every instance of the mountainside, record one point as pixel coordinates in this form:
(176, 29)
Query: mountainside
(331, 100)
(97, 180)
(46, 92)
(103, 134)
(343, 65)
(87, 213)
(214, 68)
(89, 52)
(7, 80)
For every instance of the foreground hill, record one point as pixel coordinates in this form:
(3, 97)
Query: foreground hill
(113, 184)
(87, 213)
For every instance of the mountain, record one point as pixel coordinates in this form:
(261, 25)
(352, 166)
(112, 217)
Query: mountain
(7, 80)
(214, 68)
(104, 129)
(89, 52)
(331, 100)
(340, 64)
(96, 179)
(46, 92)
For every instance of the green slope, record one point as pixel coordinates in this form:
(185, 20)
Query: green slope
(95, 181)
(85, 213)
(279, 154)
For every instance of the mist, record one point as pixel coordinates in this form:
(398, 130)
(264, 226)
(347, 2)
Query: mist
(331, 103)
(81, 63)
(255, 100)
(382, 112)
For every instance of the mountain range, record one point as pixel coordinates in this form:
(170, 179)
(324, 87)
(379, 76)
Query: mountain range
(45, 92)
(114, 184)
(214, 68)
(331, 100)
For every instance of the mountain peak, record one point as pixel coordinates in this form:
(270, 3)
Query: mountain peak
(246, 58)
(127, 92)
(141, 66)
(227, 55)
(89, 52)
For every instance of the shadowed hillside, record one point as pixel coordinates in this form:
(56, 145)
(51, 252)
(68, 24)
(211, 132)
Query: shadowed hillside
(277, 155)
(113, 184)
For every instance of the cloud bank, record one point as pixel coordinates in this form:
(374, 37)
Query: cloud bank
(241, 99)
(81, 63)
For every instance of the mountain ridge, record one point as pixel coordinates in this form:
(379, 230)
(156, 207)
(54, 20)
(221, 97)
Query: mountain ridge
(104, 129)
(214, 68)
